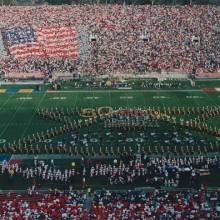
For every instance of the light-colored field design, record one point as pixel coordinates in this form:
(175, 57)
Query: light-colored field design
(126, 97)
(24, 98)
(161, 97)
(2, 90)
(92, 97)
(26, 91)
(194, 97)
(58, 98)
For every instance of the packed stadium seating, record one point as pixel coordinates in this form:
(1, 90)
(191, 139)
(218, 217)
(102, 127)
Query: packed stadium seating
(110, 205)
(111, 39)
(34, 205)
(154, 205)
(127, 156)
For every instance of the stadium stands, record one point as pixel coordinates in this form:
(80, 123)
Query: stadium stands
(102, 39)
(35, 205)
(111, 205)
(162, 154)
(156, 205)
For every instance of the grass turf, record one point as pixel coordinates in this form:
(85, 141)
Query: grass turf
(18, 111)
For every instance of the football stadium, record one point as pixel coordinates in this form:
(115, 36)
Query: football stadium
(110, 110)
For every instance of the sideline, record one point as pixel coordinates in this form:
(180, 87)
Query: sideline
(127, 91)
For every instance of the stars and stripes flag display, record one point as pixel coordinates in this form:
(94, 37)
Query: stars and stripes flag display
(45, 42)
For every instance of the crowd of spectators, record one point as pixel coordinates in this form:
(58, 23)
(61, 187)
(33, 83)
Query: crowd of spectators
(122, 39)
(155, 205)
(56, 205)
(109, 205)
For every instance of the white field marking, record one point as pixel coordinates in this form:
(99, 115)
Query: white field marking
(31, 118)
(126, 97)
(24, 98)
(5, 103)
(92, 97)
(12, 117)
(2, 141)
(161, 97)
(47, 141)
(58, 98)
(122, 91)
(194, 97)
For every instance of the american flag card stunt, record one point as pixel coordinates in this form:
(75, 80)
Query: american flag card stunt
(42, 42)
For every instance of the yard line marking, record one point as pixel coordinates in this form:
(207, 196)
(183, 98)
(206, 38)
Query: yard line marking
(11, 119)
(126, 97)
(59, 98)
(145, 102)
(32, 116)
(161, 97)
(128, 105)
(91, 97)
(110, 98)
(194, 97)
(75, 100)
(24, 98)
(6, 101)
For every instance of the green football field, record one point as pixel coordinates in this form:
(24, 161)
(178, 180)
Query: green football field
(18, 119)
(18, 116)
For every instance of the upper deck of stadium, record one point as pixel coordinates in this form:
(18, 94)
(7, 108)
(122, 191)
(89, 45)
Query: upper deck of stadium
(115, 38)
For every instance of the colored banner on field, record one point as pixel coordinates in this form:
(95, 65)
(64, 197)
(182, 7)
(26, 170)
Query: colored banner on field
(2, 90)
(4, 158)
(12, 90)
(209, 90)
(27, 91)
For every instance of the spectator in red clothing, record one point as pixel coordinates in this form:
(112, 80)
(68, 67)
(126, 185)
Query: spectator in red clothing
(159, 205)
(59, 205)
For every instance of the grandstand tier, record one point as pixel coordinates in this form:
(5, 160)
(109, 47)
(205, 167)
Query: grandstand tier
(128, 40)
